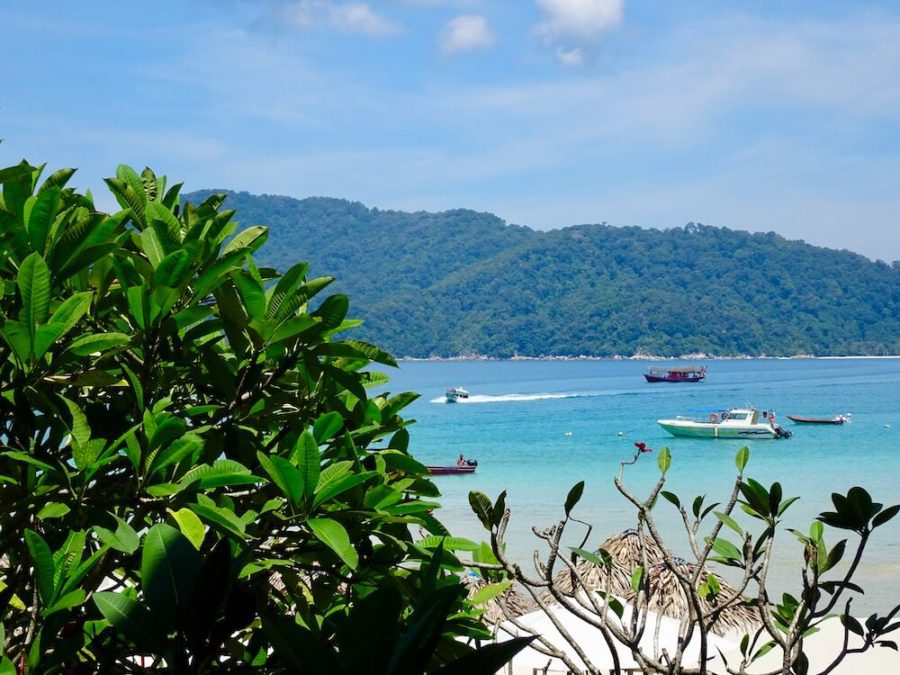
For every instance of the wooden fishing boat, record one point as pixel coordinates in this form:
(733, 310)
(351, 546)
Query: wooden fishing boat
(837, 419)
(680, 374)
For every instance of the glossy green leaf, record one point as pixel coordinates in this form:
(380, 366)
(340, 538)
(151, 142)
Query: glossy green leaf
(190, 525)
(33, 281)
(334, 536)
(285, 475)
(664, 460)
(42, 559)
(169, 566)
(573, 497)
(129, 617)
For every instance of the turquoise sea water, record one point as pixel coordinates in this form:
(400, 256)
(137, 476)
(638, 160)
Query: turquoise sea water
(538, 427)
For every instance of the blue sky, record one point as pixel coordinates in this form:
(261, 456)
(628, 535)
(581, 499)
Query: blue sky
(760, 115)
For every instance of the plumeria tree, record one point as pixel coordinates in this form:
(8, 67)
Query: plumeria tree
(740, 533)
(194, 473)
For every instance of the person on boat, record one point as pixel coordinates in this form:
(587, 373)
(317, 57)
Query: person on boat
(461, 461)
(772, 419)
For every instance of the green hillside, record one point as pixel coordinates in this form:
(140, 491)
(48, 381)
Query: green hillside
(462, 282)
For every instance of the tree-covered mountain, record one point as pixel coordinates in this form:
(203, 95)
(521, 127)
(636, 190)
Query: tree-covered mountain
(462, 282)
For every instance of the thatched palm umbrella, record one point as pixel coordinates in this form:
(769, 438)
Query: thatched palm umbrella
(666, 595)
(517, 603)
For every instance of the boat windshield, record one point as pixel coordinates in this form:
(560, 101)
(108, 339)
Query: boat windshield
(737, 416)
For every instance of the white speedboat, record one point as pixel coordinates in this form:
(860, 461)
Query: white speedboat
(734, 423)
(455, 394)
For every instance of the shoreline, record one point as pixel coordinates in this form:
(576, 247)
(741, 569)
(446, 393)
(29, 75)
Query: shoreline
(643, 357)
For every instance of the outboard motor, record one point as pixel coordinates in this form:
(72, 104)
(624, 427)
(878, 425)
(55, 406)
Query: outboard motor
(781, 432)
(471, 462)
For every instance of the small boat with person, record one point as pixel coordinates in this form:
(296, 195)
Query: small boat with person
(462, 466)
(732, 423)
(678, 374)
(837, 419)
(456, 394)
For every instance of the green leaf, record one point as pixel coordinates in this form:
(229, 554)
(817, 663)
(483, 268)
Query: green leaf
(173, 270)
(123, 538)
(741, 459)
(328, 491)
(726, 549)
(482, 507)
(190, 525)
(252, 294)
(80, 429)
(97, 343)
(42, 559)
(326, 426)
(334, 536)
(729, 521)
(53, 510)
(251, 238)
(133, 620)
(885, 516)
(664, 460)
(175, 452)
(33, 281)
(590, 557)
(574, 497)
(169, 566)
(489, 658)
(448, 543)
(307, 453)
(285, 475)
(489, 592)
(636, 578)
(222, 472)
(222, 519)
(672, 497)
(41, 217)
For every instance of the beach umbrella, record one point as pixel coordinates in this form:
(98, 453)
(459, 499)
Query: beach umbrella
(516, 602)
(666, 594)
(625, 555)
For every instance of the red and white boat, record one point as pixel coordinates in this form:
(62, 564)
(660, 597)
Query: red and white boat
(679, 374)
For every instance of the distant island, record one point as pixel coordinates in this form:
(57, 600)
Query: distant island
(467, 283)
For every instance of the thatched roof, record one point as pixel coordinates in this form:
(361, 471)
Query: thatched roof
(517, 603)
(665, 593)
(667, 597)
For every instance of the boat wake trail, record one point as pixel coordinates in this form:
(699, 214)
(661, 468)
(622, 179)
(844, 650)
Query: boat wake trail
(511, 398)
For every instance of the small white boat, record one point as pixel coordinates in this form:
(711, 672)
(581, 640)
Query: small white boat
(733, 423)
(455, 394)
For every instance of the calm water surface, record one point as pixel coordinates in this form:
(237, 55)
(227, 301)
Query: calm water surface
(538, 427)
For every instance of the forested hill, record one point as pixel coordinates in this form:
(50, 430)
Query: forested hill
(462, 282)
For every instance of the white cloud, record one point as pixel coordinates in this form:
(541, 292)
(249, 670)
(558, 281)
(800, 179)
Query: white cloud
(357, 17)
(572, 58)
(466, 33)
(583, 19)
(348, 17)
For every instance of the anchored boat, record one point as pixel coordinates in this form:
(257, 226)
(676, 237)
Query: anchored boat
(837, 419)
(733, 423)
(680, 374)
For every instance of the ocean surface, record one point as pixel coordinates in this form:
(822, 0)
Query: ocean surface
(538, 427)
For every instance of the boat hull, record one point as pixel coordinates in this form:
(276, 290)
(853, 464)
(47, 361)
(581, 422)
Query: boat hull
(709, 430)
(450, 470)
(658, 378)
(796, 419)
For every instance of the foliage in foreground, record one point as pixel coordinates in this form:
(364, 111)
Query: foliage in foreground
(782, 624)
(188, 476)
